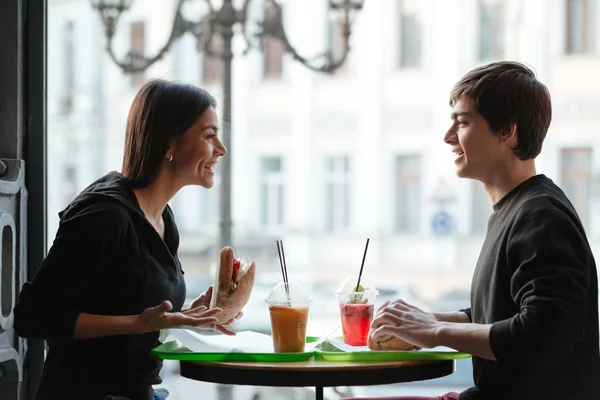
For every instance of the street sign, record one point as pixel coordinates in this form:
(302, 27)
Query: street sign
(442, 223)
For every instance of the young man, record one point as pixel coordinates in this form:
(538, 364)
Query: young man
(533, 323)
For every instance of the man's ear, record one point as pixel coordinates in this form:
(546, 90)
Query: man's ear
(508, 135)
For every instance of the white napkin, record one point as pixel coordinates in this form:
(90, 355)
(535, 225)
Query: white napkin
(347, 348)
(206, 341)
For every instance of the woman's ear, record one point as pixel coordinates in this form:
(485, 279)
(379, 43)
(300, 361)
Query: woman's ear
(169, 154)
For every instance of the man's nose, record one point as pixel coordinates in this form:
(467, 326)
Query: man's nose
(450, 136)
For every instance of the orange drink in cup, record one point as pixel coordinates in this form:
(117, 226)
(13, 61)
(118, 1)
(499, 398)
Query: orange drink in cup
(289, 316)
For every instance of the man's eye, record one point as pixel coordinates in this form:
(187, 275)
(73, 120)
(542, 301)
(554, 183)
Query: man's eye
(211, 136)
(461, 123)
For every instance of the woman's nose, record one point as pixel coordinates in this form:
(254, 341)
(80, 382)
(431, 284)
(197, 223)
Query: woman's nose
(220, 148)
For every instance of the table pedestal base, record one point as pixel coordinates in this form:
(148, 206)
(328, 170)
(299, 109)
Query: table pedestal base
(319, 393)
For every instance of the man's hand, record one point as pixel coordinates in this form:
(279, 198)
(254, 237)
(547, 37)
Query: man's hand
(406, 322)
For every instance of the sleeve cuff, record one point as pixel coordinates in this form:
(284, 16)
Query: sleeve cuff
(64, 324)
(468, 312)
(500, 340)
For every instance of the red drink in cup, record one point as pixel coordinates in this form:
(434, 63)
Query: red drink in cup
(356, 321)
(356, 311)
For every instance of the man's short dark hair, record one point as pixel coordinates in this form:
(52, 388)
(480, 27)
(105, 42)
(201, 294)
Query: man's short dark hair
(508, 93)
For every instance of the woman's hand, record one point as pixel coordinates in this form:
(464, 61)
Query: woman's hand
(157, 318)
(406, 322)
(204, 301)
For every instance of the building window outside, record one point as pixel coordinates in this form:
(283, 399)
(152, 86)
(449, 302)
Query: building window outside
(337, 193)
(410, 37)
(576, 179)
(481, 209)
(271, 192)
(407, 196)
(212, 65)
(69, 68)
(335, 35)
(138, 51)
(272, 49)
(491, 29)
(580, 26)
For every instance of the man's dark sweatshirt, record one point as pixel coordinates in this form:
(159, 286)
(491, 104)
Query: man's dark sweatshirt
(536, 283)
(106, 259)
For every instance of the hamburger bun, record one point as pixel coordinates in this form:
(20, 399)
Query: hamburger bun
(388, 342)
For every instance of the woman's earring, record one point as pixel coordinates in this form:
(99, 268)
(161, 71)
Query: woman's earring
(170, 158)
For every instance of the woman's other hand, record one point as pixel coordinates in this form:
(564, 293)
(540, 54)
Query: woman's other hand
(157, 318)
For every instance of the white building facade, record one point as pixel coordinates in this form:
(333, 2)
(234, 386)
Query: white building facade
(323, 161)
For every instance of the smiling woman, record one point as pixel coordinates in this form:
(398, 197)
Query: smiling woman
(112, 279)
(173, 122)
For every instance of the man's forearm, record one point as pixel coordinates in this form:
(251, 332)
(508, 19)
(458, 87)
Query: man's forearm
(452, 316)
(468, 338)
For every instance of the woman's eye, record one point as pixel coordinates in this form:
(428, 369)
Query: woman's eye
(211, 136)
(461, 123)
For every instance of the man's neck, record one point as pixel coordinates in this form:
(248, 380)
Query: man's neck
(509, 178)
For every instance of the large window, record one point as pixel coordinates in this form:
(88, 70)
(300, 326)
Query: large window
(271, 192)
(407, 199)
(576, 179)
(337, 193)
(580, 26)
(491, 29)
(322, 161)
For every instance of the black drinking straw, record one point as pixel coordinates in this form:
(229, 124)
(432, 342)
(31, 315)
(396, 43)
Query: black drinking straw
(362, 265)
(283, 267)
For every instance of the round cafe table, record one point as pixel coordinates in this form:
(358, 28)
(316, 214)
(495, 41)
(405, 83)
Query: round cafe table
(319, 374)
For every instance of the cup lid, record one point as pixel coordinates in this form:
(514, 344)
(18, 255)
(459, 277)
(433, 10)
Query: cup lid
(295, 293)
(349, 285)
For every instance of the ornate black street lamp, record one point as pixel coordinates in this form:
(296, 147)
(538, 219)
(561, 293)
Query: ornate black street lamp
(222, 23)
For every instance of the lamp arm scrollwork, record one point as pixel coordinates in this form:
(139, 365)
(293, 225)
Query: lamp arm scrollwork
(322, 62)
(204, 37)
(243, 19)
(139, 62)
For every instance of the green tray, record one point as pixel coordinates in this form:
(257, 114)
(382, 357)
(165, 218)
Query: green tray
(385, 355)
(173, 350)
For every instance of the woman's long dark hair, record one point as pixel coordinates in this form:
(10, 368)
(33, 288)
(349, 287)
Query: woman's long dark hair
(160, 111)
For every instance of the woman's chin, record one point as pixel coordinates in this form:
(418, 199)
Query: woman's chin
(206, 183)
